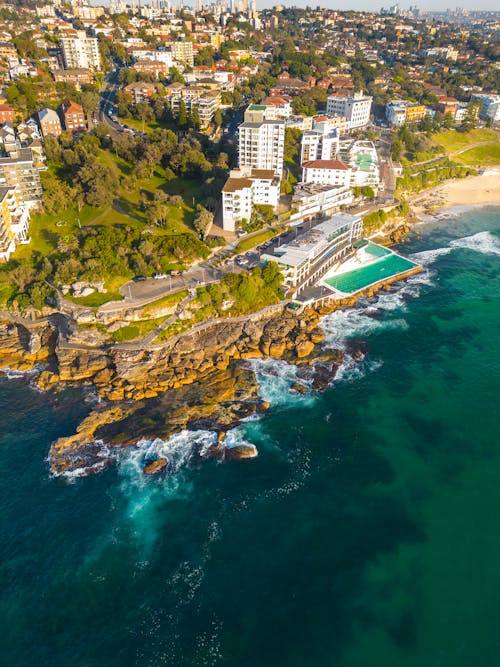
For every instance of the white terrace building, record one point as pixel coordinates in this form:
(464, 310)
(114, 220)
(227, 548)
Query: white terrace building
(244, 189)
(306, 259)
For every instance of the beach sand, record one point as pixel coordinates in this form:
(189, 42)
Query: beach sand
(475, 190)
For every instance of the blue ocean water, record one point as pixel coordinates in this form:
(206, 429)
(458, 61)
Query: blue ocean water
(365, 533)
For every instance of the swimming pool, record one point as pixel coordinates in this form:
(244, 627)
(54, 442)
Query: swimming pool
(352, 281)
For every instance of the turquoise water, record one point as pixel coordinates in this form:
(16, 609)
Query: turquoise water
(364, 534)
(376, 250)
(352, 281)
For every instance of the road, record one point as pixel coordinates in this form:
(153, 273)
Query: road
(108, 94)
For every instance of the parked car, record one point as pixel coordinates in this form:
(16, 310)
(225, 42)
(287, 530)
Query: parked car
(160, 276)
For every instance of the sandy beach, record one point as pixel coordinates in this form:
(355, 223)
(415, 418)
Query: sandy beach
(475, 190)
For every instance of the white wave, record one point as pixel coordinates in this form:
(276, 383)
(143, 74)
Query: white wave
(345, 324)
(178, 450)
(275, 378)
(430, 256)
(351, 369)
(483, 242)
(14, 374)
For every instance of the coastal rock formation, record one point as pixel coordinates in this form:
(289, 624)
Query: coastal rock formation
(190, 380)
(246, 451)
(156, 466)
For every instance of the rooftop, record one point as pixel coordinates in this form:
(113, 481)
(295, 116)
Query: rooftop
(325, 164)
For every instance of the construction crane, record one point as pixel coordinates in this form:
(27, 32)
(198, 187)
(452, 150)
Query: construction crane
(419, 43)
(399, 38)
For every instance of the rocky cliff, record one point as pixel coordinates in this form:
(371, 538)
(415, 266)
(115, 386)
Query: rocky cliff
(188, 380)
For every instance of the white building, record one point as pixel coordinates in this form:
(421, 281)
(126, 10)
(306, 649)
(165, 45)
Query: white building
(355, 108)
(362, 158)
(395, 113)
(307, 258)
(311, 201)
(281, 107)
(327, 172)
(80, 52)
(321, 142)
(244, 189)
(261, 142)
(490, 106)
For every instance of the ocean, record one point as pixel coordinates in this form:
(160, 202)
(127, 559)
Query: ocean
(364, 534)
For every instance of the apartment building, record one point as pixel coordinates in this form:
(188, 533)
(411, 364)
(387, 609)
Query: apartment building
(362, 158)
(327, 172)
(281, 105)
(19, 170)
(141, 91)
(311, 201)
(7, 114)
(244, 189)
(182, 52)
(49, 122)
(73, 117)
(355, 108)
(14, 221)
(206, 101)
(490, 106)
(321, 142)
(157, 68)
(399, 113)
(261, 141)
(78, 77)
(80, 52)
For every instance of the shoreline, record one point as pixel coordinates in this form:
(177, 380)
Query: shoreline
(470, 192)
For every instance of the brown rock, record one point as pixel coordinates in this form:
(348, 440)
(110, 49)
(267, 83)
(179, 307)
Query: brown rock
(304, 349)
(239, 452)
(299, 388)
(156, 466)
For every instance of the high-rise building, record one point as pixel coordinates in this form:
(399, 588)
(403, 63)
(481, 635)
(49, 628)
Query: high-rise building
(182, 52)
(261, 141)
(321, 142)
(80, 52)
(356, 108)
(19, 170)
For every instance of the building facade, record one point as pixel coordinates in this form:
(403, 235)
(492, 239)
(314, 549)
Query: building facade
(80, 52)
(73, 117)
(49, 122)
(182, 52)
(321, 142)
(327, 172)
(261, 142)
(14, 221)
(311, 201)
(355, 108)
(19, 171)
(308, 257)
(244, 189)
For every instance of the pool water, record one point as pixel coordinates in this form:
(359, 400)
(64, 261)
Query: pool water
(352, 281)
(377, 250)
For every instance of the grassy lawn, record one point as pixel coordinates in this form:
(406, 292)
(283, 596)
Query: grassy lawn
(484, 156)
(136, 330)
(148, 126)
(253, 241)
(452, 140)
(165, 302)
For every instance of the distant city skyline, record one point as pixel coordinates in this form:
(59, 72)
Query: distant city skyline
(372, 5)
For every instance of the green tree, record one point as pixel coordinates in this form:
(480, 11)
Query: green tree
(182, 118)
(202, 221)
